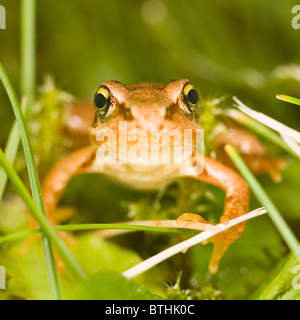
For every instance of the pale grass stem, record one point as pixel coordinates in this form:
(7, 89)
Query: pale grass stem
(183, 246)
(290, 136)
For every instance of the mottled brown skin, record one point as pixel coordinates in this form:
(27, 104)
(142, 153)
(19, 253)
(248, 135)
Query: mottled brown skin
(148, 106)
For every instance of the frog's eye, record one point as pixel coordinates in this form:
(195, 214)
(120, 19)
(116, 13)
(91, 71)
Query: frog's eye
(102, 101)
(190, 97)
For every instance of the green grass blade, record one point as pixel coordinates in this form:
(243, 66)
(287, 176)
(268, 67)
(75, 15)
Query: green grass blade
(264, 199)
(34, 182)
(17, 235)
(11, 149)
(278, 281)
(90, 227)
(288, 99)
(112, 226)
(107, 226)
(32, 172)
(27, 84)
(28, 26)
(37, 195)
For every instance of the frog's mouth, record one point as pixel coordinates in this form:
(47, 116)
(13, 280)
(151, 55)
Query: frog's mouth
(139, 170)
(144, 148)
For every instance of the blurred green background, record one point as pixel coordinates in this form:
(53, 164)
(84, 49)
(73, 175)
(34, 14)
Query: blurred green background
(245, 48)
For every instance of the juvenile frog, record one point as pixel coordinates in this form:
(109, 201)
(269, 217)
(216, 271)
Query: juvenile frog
(151, 106)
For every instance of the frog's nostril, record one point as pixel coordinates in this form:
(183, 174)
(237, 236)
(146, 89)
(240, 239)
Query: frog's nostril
(128, 115)
(168, 114)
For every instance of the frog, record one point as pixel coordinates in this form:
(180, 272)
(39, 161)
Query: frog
(157, 106)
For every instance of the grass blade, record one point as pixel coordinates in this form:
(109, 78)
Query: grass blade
(278, 281)
(104, 226)
(34, 182)
(264, 126)
(261, 130)
(288, 99)
(37, 196)
(264, 199)
(184, 245)
(28, 22)
(11, 149)
(27, 84)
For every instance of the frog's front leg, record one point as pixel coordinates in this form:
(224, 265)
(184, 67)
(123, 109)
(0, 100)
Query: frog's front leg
(236, 204)
(56, 181)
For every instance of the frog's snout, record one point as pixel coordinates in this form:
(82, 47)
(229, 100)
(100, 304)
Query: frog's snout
(148, 118)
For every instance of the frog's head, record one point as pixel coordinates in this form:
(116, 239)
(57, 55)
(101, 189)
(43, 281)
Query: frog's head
(144, 107)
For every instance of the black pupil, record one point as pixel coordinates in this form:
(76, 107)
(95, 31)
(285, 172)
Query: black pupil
(192, 96)
(100, 101)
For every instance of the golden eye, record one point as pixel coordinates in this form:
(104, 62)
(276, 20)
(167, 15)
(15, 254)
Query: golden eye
(102, 101)
(191, 97)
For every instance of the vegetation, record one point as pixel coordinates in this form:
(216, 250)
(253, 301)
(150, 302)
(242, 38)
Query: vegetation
(246, 49)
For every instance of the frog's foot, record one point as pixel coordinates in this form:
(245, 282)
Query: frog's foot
(192, 218)
(274, 168)
(229, 236)
(221, 241)
(264, 164)
(218, 252)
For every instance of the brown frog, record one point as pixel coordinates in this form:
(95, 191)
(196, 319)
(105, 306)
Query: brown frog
(155, 106)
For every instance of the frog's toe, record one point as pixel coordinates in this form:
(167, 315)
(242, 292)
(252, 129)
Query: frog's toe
(221, 241)
(275, 168)
(264, 164)
(218, 252)
(192, 218)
